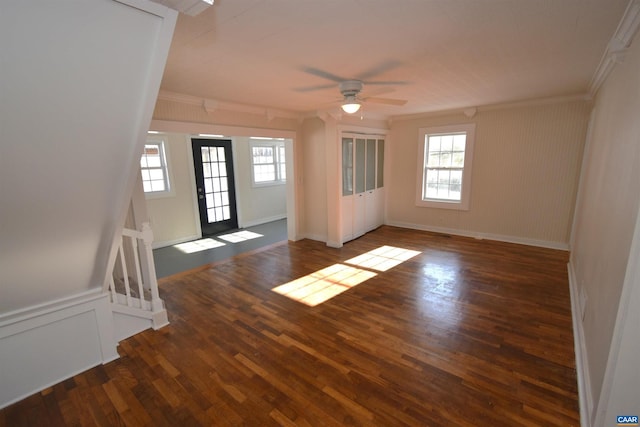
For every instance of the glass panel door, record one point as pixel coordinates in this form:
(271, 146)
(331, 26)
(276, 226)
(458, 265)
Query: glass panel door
(370, 170)
(213, 165)
(360, 165)
(347, 166)
(380, 170)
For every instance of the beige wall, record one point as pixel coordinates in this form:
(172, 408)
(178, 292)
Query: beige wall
(314, 179)
(525, 173)
(607, 211)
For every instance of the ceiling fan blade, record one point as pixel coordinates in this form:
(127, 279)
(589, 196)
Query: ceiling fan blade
(379, 83)
(388, 101)
(314, 88)
(381, 68)
(324, 74)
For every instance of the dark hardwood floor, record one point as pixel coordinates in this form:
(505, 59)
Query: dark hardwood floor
(465, 333)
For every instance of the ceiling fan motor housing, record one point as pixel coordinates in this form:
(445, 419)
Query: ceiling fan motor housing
(350, 87)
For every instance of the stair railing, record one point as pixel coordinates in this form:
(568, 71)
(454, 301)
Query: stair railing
(133, 282)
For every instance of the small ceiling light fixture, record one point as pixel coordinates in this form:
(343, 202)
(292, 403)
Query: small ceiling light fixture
(351, 104)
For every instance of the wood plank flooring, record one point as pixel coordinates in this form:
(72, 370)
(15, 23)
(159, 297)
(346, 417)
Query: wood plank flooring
(466, 333)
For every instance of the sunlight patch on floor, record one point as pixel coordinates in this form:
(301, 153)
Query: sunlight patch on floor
(382, 258)
(324, 284)
(239, 236)
(198, 245)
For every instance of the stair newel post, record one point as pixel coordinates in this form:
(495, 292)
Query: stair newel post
(147, 239)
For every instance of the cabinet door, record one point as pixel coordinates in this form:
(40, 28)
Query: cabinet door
(371, 210)
(347, 217)
(362, 185)
(359, 214)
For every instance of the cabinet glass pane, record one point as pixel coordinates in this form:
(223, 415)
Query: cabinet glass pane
(360, 162)
(347, 166)
(370, 170)
(380, 182)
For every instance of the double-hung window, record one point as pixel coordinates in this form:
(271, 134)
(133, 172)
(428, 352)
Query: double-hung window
(268, 165)
(153, 166)
(444, 166)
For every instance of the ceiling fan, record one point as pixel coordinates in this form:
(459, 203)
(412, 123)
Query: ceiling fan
(351, 88)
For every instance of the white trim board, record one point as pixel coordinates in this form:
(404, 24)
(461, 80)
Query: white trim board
(35, 343)
(585, 397)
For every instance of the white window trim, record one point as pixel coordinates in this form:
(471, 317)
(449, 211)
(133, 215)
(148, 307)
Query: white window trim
(170, 192)
(463, 204)
(267, 142)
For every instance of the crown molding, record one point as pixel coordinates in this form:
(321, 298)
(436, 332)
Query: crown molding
(211, 106)
(470, 112)
(618, 45)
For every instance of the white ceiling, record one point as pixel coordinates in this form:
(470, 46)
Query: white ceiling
(446, 54)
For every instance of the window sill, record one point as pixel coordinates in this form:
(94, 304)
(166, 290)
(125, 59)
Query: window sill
(268, 184)
(159, 195)
(443, 204)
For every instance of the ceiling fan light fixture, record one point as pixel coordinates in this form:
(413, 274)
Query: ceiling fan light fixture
(351, 105)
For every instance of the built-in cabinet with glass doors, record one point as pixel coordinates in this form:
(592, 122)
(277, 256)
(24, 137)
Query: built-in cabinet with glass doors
(362, 184)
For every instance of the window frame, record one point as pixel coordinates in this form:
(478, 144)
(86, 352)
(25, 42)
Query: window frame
(162, 142)
(465, 196)
(279, 155)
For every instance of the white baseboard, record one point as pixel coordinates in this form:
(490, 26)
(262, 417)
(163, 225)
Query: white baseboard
(334, 244)
(129, 321)
(165, 243)
(482, 236)
(253, 223)
(45, 344)
(582, 365)
(316, 237)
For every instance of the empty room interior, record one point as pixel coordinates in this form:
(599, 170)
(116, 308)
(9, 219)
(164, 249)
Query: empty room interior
(295, 213)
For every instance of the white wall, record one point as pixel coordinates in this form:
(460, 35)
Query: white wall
(606, 215)
(76, 100)
(256, 205)
(185, 114)
(525, 173)
(173, 217)
(77, 89)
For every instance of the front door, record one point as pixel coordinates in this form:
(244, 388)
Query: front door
(213, 163)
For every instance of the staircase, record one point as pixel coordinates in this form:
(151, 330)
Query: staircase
(133, 287)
